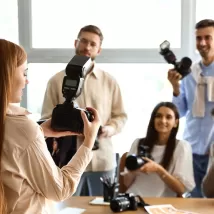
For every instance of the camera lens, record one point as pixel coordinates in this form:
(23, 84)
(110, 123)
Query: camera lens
(134, 162)
(184, 66)
(119, 204)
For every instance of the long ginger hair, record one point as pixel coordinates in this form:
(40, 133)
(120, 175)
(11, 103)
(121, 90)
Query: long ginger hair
(11, 57)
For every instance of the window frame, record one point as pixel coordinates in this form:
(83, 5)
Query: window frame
(53, 55)
(47, 55)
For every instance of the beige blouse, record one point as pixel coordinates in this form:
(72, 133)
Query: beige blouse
(30, 176)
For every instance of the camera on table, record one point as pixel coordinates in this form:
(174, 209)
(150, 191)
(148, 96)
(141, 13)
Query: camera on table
(182, 67)
(134, 162)
(124, 201)
(67, 116)
(127, 201)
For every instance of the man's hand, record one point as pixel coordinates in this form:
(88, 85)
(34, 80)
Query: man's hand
(174, 77)
(106, 131)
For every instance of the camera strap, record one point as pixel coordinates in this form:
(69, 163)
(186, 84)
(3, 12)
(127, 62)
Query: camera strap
(141, 202)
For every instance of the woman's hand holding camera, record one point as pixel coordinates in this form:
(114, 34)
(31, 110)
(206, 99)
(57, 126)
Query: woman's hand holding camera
(90, 128)
(49, 132)
(150, 167)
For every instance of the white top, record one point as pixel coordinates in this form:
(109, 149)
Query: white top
(151, 185)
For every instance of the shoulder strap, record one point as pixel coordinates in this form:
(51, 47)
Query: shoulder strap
(140, 143)
(141, 202)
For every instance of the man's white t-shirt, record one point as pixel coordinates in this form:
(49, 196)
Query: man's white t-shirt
(151, 185)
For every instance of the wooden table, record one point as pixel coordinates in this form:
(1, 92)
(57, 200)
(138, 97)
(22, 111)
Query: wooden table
(202, 206)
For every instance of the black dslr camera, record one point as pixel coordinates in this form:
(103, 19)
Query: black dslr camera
(67, 116)
(182, 67)
(134, 162)
(127, 201)
(124, 201)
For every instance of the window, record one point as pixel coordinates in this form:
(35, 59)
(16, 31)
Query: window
(125, 23)
(204, 9)
(9, 20)
(133, 31)
(142, 86)
(38, 76)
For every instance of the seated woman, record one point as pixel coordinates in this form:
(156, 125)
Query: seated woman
(171, 172)
(29, 178)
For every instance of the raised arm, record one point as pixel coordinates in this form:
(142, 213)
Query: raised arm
(39, 170)
(179, 95)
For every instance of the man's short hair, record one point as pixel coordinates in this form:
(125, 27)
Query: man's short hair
(204, 23)
(92, 29)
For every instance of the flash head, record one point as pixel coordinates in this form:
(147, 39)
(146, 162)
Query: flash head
(78, 67)
(164, 46)
(183, 67)
(67, 116)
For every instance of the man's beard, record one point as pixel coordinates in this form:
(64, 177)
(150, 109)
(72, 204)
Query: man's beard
(206, 54)
(203, 54)
(82, 54)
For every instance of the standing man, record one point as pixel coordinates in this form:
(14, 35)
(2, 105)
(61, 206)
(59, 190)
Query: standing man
(102, 92)
(194, 98)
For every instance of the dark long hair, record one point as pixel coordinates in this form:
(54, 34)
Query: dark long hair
(152, 135)
(11, 57)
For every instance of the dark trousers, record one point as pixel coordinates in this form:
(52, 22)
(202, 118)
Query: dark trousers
(67, 149)
(200, 163)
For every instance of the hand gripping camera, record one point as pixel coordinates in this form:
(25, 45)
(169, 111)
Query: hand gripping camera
(126, 201)
(134, 162)
(67, 116)
(182, 67)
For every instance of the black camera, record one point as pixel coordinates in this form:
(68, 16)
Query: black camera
(67, 116)
(124, 201)
(182, 67)
(134, 162)
(127, 201)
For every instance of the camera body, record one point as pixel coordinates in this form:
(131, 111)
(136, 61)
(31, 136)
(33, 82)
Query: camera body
(124, 201)
(182, 67)
(134, 162)
(67, 116)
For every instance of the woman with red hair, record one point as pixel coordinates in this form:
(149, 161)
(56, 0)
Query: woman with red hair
(29, 176)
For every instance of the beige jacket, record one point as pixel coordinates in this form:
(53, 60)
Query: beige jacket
(31, 178)
(102, 92)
